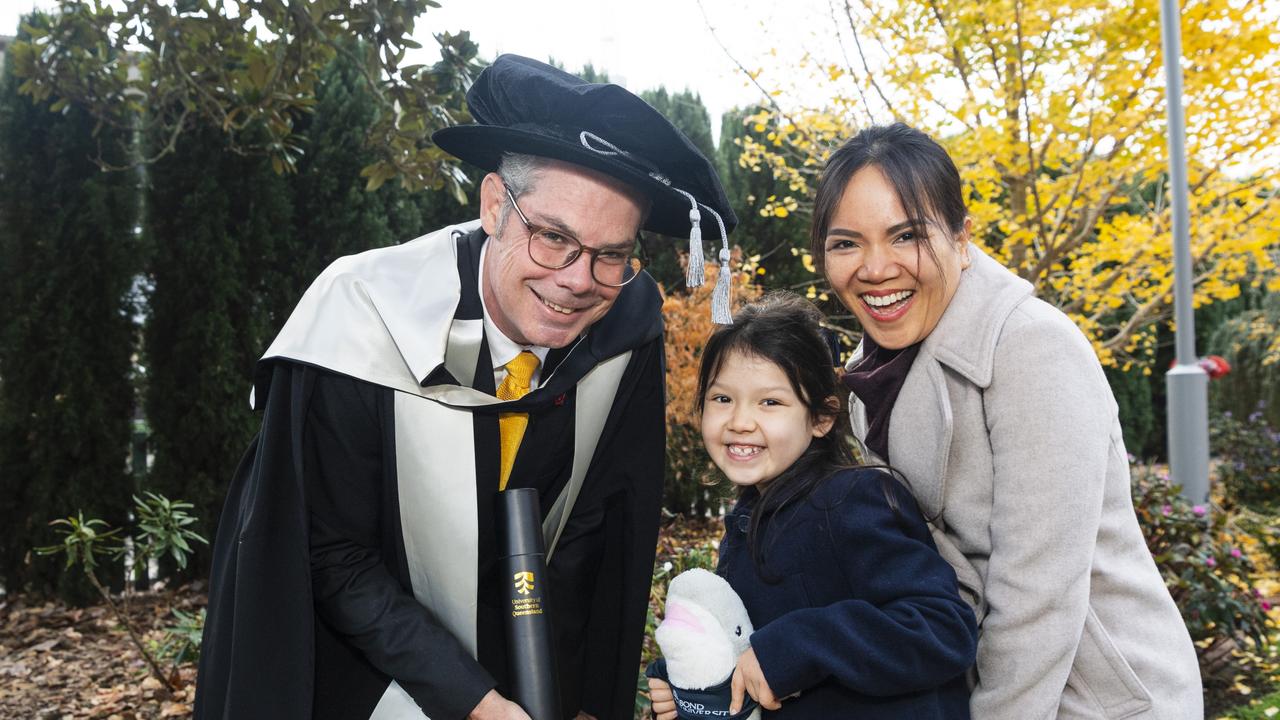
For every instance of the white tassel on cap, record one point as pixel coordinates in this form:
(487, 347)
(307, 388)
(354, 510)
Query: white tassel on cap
(721, 298)
(720, 313)
(695, 274)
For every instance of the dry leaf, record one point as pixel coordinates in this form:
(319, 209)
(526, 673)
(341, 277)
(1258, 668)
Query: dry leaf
(45, 646)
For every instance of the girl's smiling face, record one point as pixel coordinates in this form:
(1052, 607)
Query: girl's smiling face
(753, 423)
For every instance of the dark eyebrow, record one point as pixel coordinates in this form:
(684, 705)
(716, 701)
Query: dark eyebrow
(551, 222)
(768, 390)
(843, 232)
(907, 225)
(891, 230)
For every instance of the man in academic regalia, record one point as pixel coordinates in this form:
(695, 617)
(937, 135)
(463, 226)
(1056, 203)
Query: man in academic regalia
(355, 570)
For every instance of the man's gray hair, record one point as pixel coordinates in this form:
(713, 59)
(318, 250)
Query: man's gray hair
(519, 172)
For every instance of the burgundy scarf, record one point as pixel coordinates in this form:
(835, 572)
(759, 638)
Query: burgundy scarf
(876, 380)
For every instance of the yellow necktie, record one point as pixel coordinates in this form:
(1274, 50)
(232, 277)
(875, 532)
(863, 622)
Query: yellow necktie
(511, 425)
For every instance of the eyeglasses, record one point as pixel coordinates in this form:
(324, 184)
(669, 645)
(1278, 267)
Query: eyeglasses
(553, 250)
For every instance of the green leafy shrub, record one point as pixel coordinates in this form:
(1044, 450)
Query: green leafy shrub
(1132, 391)
(181, 642)
(1200, 553)
(163, 530)
(1248, 451)
(1265, 529)
(1201, 560)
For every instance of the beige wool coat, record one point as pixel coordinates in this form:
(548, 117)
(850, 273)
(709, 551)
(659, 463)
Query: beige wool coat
(1009, 437)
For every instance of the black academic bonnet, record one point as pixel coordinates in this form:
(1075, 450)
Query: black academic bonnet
(524, 106)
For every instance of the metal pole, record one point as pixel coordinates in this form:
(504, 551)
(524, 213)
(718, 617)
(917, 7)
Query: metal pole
(1187, 383)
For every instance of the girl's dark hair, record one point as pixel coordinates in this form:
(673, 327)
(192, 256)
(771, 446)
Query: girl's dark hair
(917, 167)
(784, 329)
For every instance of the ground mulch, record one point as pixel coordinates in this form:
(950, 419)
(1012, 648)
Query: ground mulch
(61, 662)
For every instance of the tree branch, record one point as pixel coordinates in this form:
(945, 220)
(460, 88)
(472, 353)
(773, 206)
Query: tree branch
(956, 58)
(763, 92)
(865, 65)
(1032, 165)
(844, 52)
(133, 634)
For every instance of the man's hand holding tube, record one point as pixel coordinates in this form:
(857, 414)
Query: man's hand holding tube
(495, 707)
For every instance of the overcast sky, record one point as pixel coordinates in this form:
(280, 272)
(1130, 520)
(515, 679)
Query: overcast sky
(641, 43)
(11, 10)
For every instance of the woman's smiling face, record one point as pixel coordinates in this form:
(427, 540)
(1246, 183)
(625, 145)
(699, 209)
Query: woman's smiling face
(879, 263)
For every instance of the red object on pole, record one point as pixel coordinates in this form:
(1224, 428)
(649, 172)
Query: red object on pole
(1215, 366)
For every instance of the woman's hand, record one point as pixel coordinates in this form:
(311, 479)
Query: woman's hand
(749, 677)
(661, 700)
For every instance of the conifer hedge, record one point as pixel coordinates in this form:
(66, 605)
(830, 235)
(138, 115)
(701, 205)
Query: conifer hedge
(68, 323)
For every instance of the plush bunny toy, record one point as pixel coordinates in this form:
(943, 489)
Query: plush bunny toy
(704, 630)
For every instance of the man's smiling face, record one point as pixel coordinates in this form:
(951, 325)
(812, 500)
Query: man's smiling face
(533, 305)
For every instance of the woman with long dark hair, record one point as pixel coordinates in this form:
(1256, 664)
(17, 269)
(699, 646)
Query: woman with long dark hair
(994, 406)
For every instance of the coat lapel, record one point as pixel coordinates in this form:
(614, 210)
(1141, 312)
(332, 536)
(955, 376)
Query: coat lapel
(966, 335)
(964, 342)
(920, 431)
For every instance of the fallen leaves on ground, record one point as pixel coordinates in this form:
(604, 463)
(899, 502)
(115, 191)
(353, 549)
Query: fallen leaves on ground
(59, 662)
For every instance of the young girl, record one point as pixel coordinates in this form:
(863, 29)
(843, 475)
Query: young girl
(856, 614)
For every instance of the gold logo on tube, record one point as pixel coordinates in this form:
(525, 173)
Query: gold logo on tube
(524, 582)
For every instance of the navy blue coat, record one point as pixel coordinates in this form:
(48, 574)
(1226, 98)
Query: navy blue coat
(865, 620)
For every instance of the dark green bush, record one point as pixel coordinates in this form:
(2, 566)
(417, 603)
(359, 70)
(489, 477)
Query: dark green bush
(1248, 341)
(1248, 451)
(1132, 391)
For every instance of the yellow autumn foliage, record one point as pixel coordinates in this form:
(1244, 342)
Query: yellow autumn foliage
(1054, 111)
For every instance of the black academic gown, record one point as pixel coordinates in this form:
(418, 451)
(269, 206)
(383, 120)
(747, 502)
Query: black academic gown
(312, 610)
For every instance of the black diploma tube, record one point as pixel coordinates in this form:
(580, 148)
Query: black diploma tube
(531, 664)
